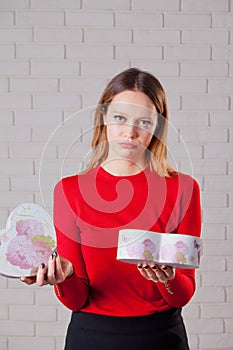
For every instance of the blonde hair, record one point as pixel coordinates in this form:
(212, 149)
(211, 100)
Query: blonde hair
(135, 80)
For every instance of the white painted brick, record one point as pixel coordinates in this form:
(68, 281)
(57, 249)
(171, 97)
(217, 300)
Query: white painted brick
(218, 151)
(102, 36)
(173, 100)
(214, 231)
(15, 134)
(60, 343)
(222, 52)
(3, 343)
(90, 99)
(3, 219)
(16, 328)
(10, 199)
(6, 18)
(204, 135)
(213, 199)
(211, 36)
(210, 278)
(204, 5)
(229, 293)
(211, 69)
(3, 312)
(209, 295)
(38, 118)
(158, 5)
(222, 20)
(63, 314)
(219, 183)
(221, 215)
(229, 326)
(217, 247)
(209, 167)
(187, 52)
(34, 85)
(7, 52)
(229, 232)
(17, 296)
(4, 184)
(4, 85)
(231, 70)
(158, 68)
(58, 35)
(3, 280)
(57, 102)
(184, 20)
(138, 51)
(89, 51)
(16, 167)
(55, 4)
(218, 341)
(80, 85)
(202, 327)
(6, 119)
(206, 102)
(32, 313)
(28, 343)
(26, 184)
(11, 100)
(12, 68)
(29, 17)
(155, 37)
(40, 50)
(138, 19)
(191, 118)
(212, 263)
(5, 4)
(223, 85)
(229, 263)
(89, 18)
(103, 68)
(106, 5)
(191, 311)
(3, 150)
(51, 328)
(217, 310)
(42, 134)
(15, 34)
(55, 67)
(45, 296)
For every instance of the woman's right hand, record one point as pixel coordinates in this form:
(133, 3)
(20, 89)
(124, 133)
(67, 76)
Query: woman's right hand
(56, 271)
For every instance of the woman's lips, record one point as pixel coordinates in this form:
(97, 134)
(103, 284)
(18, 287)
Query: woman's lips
(128, 145)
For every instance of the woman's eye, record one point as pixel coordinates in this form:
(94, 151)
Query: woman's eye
(119, 118)
(145, 123)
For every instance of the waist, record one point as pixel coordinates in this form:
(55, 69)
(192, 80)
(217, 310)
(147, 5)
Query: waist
(154, 322)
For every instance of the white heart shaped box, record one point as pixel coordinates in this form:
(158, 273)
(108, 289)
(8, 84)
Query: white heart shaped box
(178, 250)
(27, 241)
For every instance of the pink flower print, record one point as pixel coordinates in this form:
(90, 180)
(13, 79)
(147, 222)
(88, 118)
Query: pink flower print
(29, 227)
(168, 253)
(182, 247)
(149, 249)
(18, 250)
(135, 250)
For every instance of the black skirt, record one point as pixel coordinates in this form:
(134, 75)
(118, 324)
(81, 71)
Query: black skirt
(160, 331)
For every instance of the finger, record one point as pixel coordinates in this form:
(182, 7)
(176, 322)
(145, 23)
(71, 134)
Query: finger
(142, 271)
(28, 280)
(41, 275)
(51, 274)
(147, 272)
(164, 273)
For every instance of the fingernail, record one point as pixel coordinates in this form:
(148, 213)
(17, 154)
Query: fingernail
(140, 266)
(55, 253)
(154, 267)
(52, 256)
(42, 266)
(146, 267)
(164, 268)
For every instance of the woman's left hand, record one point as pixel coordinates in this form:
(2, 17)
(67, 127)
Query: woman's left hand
(157, 273)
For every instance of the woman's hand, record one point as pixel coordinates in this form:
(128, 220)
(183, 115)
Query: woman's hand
(56, 271)
(157, 273)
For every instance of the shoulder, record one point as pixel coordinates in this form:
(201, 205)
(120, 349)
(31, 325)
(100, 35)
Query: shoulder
(183, 183)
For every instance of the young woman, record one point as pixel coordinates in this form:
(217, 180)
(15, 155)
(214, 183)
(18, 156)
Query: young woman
(128, 184)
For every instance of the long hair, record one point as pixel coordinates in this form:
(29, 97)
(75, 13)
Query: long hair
(134, 79)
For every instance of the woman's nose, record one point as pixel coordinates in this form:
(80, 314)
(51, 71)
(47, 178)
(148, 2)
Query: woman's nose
(130, 131)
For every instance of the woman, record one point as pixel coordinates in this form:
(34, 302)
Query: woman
(128, 184)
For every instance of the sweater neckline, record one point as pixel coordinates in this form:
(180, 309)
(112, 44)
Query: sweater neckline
(101, 170)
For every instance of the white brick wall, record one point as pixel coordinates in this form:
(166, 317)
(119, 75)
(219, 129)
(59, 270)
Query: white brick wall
(56, 57)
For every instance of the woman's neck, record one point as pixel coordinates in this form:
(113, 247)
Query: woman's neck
(123, 167)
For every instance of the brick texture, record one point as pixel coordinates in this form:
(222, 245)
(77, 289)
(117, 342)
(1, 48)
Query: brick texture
(56, 57)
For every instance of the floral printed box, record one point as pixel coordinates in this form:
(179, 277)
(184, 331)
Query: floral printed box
(27, 241)
(178, 250)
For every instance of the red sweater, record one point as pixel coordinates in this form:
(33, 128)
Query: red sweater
(89, 210)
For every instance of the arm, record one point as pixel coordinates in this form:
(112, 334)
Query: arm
(73, 291)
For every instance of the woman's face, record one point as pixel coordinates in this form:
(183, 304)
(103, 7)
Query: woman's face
(131, 121)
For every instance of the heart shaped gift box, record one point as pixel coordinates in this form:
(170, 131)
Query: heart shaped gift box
(27, 241)
(178, 250)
